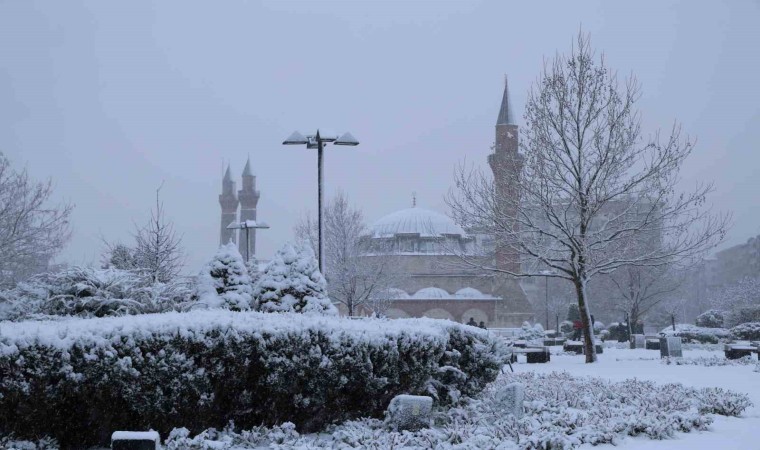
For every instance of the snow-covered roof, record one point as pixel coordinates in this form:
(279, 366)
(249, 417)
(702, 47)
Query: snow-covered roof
(430, 293)
(420, 221)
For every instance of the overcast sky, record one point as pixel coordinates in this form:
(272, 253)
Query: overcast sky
(112, 98)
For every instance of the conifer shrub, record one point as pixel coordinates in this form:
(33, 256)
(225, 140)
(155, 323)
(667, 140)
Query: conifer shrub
(78, 380)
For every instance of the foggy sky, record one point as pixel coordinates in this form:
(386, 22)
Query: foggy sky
(112, 98)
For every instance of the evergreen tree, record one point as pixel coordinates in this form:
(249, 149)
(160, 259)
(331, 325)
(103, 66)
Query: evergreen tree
(225, 282)
(573, 313)
(292, 282)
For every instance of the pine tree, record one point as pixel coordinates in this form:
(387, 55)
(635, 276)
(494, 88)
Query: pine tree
(292, 282)
(225, 282)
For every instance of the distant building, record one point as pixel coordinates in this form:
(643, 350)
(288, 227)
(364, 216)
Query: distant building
(427, 244)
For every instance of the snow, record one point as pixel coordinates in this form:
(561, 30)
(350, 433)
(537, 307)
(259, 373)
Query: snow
(622, 364)
(135, 436)
(67, 332)
(434, 293)
(420, 221)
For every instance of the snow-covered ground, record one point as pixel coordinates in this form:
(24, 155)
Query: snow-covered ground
(726, 433)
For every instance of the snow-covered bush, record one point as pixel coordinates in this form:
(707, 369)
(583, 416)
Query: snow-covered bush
(89, 292)
(10, 443)
(561, 412)
(291, 281)
(224, 282)
(617, 332)
(746, 332)
(206, 367)
(530, 332)
(691, 333)
(598, 326)
(709, 361)
(566, 326)
(744, 314)
(712, 318)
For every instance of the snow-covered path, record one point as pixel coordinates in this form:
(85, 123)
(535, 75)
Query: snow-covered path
(726, 433)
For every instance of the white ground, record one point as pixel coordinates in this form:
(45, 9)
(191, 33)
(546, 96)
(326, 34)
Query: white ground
(726, 433)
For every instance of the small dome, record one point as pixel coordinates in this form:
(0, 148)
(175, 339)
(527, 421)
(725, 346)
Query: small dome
(397, 294)
(469, 293)
(431, 293)
(420, 221)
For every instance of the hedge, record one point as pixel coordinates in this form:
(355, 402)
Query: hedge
(78, 380)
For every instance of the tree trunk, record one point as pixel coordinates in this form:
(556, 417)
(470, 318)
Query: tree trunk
(588, 329)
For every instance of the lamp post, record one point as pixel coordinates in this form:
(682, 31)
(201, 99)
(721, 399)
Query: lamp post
(547, 274)
(318, 141)
(247, 225)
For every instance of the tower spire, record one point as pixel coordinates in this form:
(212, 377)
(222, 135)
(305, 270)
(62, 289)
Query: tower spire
(247, 169)
(505, 113)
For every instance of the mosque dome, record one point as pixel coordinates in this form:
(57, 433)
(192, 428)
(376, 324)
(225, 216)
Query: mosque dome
(420, 221)
(431, 293)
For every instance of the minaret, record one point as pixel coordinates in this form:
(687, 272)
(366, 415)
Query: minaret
(249, 198)
(229, 204)
(506, 164)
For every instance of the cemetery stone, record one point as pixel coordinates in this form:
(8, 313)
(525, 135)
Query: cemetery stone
(670, 347)
(409, 412)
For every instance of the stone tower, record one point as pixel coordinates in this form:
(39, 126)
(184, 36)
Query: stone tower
(506, 164)
(249, 198)
(229, 203)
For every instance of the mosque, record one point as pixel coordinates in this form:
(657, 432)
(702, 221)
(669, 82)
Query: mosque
(425, 244)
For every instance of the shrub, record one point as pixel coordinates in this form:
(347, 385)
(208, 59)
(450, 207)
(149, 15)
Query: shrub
(530, 332)
(203, 368)
(746, 332)
(617, 332)
(292, 282)
(224, 281)
(744, 314)
(566, 326)
(712, 318)
(89, 292)
(691, 333)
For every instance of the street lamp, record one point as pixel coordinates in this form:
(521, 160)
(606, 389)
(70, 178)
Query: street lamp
(547, 274)
(318, 141)
(247, 225)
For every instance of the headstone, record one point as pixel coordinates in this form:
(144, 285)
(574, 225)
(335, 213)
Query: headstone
(653, 344)
(638, 341)
(510, 399)
(734, 351)
(410, 412)
(135, 440)
(670, 347)
(574, 347)
(537, 355)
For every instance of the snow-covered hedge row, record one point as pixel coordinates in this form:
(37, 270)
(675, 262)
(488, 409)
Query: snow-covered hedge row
(561, 412)
(79, 379)
(709, 361)
(746, 332)
(692, 333)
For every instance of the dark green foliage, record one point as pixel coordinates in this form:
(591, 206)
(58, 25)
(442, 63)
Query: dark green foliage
(573, 313)
(207, 376)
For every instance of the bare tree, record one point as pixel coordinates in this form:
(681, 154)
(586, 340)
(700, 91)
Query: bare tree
(31, 230)
(641, 288)
(158, 249)
(358, 273)
(588, 185)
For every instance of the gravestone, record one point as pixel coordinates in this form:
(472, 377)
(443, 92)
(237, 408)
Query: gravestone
(409, 412)
(653, 344)
(670, 347)
(738, 351)
(537, 355)
(578, 348)
(135, 440)
(510, 399)
(639, 341)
